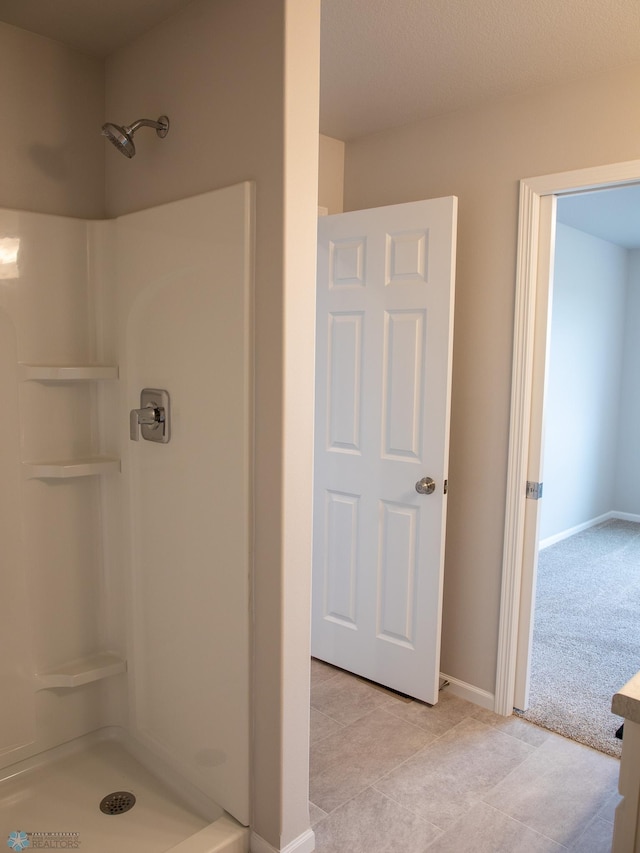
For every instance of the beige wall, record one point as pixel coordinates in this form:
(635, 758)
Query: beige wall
(51, 150)
(331, 174)
(480, 155)
(217, 70)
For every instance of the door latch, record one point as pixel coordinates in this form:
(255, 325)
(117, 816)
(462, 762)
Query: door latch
(152, 418)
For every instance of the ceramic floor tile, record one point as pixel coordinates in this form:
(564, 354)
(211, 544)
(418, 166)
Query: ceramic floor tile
(320, 671)
(371, 823)
(514, 726)
(377, 734)
(348, 761)
(486, 830)
(315, 813)
(345, 698)
(321, 726)
(558, 789)
(448, 777)
(596, 838)
(436, 719)
(490, 718)
(491, 783)
(608, 810)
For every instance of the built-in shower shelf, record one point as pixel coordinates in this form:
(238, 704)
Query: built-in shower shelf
(70, 468)
(67, 372)
(82, 671)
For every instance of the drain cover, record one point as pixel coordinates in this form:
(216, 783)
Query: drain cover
(118, 802)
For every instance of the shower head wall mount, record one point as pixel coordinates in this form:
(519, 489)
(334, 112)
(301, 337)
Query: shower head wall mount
(122, 136)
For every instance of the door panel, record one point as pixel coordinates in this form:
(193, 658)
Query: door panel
(341, 550)
(402, 382)
(384, 337)
(397, 573)
(345, 386)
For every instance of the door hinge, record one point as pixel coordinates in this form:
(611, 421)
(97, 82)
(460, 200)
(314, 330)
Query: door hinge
(534, 490)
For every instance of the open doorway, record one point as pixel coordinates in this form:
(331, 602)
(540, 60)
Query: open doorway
(585, 644)
(538, 201)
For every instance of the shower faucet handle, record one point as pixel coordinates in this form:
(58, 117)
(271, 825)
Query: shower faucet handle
(152, 418)
(147, 416)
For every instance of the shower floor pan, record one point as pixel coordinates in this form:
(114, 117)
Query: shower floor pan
(55, 804)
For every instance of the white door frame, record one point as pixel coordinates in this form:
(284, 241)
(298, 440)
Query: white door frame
(535, 249)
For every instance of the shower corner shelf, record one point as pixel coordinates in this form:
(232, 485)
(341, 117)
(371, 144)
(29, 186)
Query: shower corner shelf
(70, 468)
(82, 671)
(67, 372)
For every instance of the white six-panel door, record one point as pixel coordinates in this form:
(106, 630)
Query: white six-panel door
(384, 340)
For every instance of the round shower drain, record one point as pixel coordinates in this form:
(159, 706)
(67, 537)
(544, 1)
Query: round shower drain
(118, 802)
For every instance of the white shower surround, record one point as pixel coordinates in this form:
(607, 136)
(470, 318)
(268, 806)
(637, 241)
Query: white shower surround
(151, 564)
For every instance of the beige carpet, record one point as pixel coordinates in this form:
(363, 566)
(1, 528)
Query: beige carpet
(586, 640)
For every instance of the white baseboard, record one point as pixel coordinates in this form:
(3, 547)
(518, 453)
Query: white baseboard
(626, 516)
(565, 534)
(467, 691)
(305, 843)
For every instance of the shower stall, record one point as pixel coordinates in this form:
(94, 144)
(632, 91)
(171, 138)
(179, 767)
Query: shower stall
(125, 564)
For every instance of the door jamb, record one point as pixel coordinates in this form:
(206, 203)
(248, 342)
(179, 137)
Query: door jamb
(529, 245)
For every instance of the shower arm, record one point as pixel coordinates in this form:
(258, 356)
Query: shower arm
(146, 122)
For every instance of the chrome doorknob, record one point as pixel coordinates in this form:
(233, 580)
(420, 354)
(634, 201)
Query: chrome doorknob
(425, 486)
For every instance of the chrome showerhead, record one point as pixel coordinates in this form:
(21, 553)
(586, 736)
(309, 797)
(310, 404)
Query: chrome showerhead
(122, 137)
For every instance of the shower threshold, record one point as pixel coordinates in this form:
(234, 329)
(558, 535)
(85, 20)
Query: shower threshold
(54, 803)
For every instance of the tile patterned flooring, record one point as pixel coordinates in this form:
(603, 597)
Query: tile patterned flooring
(391, 775)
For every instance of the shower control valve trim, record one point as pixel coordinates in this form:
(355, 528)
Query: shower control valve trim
(152, 418)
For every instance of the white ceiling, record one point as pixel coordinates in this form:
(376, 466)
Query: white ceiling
(390, 62)
(612, 215)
